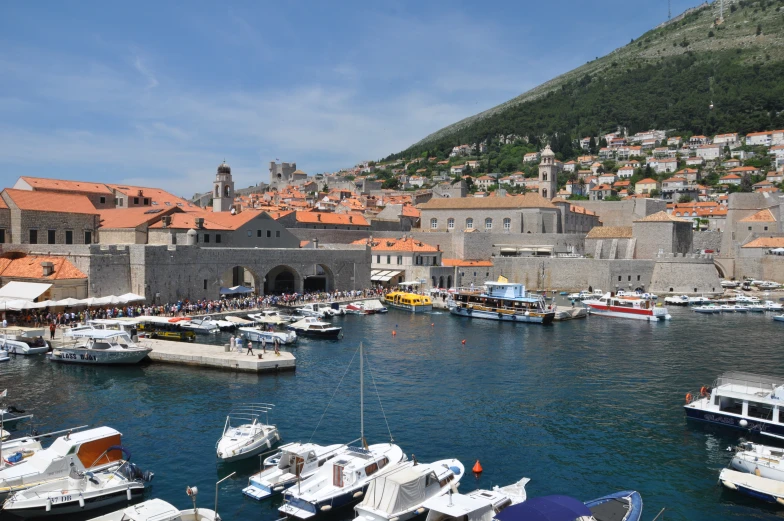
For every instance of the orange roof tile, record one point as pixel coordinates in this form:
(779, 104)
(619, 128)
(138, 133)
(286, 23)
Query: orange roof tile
(766, 242)
(762, 216)
(610, 232)
(29, 267)
(157, 195)
(51, 202)
(42, 183)
(133, 217)
(407, 244)
(346, 219)
(647, 181)
(661, 217)
(460, 263)
(409, 211)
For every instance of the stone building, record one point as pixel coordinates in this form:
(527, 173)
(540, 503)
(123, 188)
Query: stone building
(548, 174)
(99, 194)
(662, 233)
(610, 242)
(223, 189)
(405, 259)
(39, 217)
(66, 280)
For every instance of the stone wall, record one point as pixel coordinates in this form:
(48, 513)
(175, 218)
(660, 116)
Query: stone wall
(78, 224)
(768, 267)
(623, 213)
(5, 224)
(665, 236)
(690, 274)
(707, 240)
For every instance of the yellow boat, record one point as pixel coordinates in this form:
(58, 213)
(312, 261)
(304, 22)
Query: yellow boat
(409, 301)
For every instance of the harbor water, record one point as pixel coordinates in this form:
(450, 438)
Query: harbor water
(583, 408)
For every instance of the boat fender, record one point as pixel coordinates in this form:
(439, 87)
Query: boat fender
(277, 489)
(395, 519)
(500, 315)
(48, 504)
(358, 493)
(780, 501)
(743, 423)
(420, 510)
(729, 485)
(326, 508)
(268, 444)
(757, 472)
(688, 398)
(81, 499)
(128, 493)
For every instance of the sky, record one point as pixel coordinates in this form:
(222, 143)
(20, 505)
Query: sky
(160, 93)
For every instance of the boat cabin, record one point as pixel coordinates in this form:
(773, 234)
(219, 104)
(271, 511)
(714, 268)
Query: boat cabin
(345, 471)
(103, 339)
(408, 299)
(749, 395)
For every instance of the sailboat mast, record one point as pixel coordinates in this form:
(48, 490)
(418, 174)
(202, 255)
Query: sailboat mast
(361, 394)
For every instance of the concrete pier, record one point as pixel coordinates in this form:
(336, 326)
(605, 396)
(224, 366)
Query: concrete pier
(212, 356)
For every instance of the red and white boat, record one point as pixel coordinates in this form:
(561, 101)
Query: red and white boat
(611, 305)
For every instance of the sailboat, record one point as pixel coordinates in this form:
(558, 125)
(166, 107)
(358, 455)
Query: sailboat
(343, 480)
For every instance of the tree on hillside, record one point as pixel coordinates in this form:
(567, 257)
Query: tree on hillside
(684, 198)
(592, 146)
(745, 184)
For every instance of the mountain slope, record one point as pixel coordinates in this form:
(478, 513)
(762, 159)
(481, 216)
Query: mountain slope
(666, 79)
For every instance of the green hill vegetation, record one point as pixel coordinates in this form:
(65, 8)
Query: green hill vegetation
(667, 79)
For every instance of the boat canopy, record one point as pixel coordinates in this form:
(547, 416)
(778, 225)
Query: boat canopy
(547, 508)
(384, 275)
(398, 491)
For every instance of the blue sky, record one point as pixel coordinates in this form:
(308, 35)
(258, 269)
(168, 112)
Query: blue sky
(158, 93)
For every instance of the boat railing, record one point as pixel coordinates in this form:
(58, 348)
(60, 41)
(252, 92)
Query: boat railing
(748, 381)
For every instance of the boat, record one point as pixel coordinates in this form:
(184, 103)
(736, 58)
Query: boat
(365, 307)
(729, 284)
(626, 307)
(680, 300)
(10, 415)
(620, 506)
(256, 335)
(503, 301)
(311, 326)
(758, 459)
(779, 318)
(248, 437)
(17, 347)
(697, 301)
(4, 356)
(400, 493)
(412, 302)
(344, 479)
(478, 505)
(740, 400)
(202, 325)
(756, 308)
(159, 510)
(14, 452)
(34, 338)
(162, 328)
(765, 489)
(269, 316)
(100, 346)
(294, 462)
(81, 491)
(740, 297)
(708, 309)
(769, 305)
(318, 310)
(741, 309)
(74, 450)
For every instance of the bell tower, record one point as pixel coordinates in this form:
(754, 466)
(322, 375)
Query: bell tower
(223, 189)
(548, 174)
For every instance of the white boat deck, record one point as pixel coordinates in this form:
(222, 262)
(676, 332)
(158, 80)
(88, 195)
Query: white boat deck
(213, 356)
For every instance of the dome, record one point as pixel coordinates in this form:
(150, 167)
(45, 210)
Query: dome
(223, 168)
(547, 152)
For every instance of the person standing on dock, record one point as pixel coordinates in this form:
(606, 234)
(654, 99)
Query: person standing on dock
(263, 344)
(250, 348)
(232, 343)
(238, 343)
(277, 346)
(51, 330)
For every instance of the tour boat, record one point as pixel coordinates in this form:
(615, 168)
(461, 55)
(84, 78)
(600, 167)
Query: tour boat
(761, 460)
(758, 487)
(620, 506)
(681, 300)
(77, 450)
(164, 329)
(159, 510)
(248, 437)
(399, 493)
(412, 302)
(203, 325)
(503, 301)
(740, 400)
(80, 491)
(478, 505)
(294, 462)
(626, 307)
(101, 346)
(311, 326)
(255, 334)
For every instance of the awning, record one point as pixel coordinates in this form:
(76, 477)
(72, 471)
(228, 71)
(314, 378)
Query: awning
(384, 275)
(235, 289)
(23, 290)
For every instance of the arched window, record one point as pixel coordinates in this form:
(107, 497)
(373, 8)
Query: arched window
(217, 191)
(544, 193)
(544, 176)
(227, 191)
(450, 223)
(488, 224)
(433, 223)
(470, 223)
(507, 223)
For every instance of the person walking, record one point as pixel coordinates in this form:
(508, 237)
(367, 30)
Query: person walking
(277, 346)
(250, 347)
(51, 330)
(238, 342)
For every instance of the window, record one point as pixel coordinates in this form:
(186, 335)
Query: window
(749, 228)
(630, 278)
(433, 223)
(250, 233)
(218, 238)
(205, 283)
(399, 260)
(88, 237)
(488, 224)
(258, 233)
(277, 234)
(638, 278)
(450, 223)
(135, 200)
(507, 224)
(269, 233)
(766, 228)
(389, 259)
(33, 236)
(378, 259)
(619, 278)
(51, 237)
(2, 236)
(146, 201)
(68, 236)
(206, 238)
(102, 200)
(469, 224)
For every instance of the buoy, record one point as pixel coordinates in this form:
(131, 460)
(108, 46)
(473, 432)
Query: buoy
(432, 324)
(463, 342)
(477, 468)
(81, 501)
(743, 423)
(326, 508)
(394, 333)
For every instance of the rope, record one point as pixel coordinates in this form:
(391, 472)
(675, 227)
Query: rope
(333, 395)
(372, 378)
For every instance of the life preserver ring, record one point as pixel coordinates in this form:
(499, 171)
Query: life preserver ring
(703, 391)
(688, 398)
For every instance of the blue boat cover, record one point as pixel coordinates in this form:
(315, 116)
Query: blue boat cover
(547, 508)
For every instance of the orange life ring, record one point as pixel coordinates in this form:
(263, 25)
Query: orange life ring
(688, 398)
(703, 391)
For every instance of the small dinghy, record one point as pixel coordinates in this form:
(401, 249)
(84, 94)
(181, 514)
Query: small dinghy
(765, 489)
(479, 505)
(81, 491)
(18, 347)
(620, 506)
(244, 436)
(160, 510)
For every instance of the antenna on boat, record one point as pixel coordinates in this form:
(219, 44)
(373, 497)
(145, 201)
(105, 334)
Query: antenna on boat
(362, 395)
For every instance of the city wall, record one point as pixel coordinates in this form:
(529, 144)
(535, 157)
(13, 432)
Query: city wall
(623, 213)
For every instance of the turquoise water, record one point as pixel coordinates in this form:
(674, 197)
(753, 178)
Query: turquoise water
(582, 408)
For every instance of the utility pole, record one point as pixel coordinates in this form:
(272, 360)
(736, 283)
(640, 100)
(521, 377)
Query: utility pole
(669, 9)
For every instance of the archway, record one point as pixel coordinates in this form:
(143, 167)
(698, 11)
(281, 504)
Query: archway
(441, 281)
(240, 276)
(282, 279)
(448, 281)
(319, 278)
(720, 269)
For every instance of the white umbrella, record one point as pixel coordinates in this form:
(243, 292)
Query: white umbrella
(70, 301)
(89, 301)
(45, 304)
(130, 297)
(107, 301)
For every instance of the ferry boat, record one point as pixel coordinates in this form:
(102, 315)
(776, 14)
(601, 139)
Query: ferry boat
(741, 400)
(626, 307)
(501, 301)
(409, 301)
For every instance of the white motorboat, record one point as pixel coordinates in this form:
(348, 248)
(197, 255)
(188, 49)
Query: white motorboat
(729, 284)
(679, 300)
(761, 460)
(741, 309)
(100, 346)
(697, 301)
(247, 437)
(14, 452)
(707, 309)
(17, 347)
(318, 310)
(255, 334)
(728, 308)
(159, 510)
(294, 461)
(765, 489)
(779, 318)
(479, 505)
(79, 449)
(31, 340)
(756, 308)
(81, 491)
(769, 305)
(311, 326)
(401, 492)
(270, 316)
(364, 307)
(203, 325)
(746, 299)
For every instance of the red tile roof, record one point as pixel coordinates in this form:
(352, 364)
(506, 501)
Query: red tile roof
(407, 244)
(460, 263)
(345, 219)
(42, 183)
(50, 201)
(133, 217)
(29, 267)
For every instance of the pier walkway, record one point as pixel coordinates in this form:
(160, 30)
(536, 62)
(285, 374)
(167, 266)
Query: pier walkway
(203, 355)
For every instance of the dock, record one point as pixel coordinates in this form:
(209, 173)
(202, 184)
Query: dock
(216, 357)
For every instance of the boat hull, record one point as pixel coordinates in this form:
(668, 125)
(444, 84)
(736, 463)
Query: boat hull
(318, 334)
(424, 308)
(534, 318)
(635, 314)
(733, 420)
(301, 509)
(251, 450)
(764, 489)
(96, 357)
(630, 497)
(70, 504)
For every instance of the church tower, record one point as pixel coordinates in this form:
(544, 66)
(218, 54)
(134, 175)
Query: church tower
(223, 192)
(548, 174)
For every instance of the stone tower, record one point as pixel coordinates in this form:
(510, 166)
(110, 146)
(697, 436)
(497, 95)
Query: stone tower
(548, 174)
(223, 192)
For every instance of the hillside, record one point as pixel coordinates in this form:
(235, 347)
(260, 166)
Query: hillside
(665, 79)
